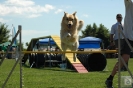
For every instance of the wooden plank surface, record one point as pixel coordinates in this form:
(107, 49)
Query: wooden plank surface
(77, 65)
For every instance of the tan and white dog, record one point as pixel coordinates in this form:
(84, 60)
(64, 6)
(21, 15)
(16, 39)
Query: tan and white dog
(70, 26)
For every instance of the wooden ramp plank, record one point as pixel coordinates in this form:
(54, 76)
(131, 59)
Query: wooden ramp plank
(77, 65)
(70, 58)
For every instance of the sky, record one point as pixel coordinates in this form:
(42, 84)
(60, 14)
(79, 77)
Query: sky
(43, 17)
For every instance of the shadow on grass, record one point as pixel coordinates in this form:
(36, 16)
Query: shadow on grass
(104, 71)
(57, 69)
(49, 68)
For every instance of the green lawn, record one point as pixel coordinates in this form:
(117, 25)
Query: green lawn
(56, 78)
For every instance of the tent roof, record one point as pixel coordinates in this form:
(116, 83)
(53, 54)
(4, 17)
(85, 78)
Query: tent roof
(90, 42)
(87, 39)
(46, 40)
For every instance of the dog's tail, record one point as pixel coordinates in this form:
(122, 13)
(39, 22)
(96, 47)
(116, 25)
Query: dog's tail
(81, 23)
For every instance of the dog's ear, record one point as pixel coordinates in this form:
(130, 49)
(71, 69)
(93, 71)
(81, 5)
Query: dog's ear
(65, 13)
(74, 13)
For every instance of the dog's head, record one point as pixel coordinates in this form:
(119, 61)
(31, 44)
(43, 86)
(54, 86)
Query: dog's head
(69, 19)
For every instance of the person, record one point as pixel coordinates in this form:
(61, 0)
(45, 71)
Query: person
(114, 41)
(9, 55)
(57, 49)
(114, 31)
(125, 50)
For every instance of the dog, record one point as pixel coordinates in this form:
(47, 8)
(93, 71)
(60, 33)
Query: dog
(70, 27)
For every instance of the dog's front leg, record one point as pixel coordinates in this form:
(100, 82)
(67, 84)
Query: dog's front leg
(74, 48)
(74, 57)
(64, 47)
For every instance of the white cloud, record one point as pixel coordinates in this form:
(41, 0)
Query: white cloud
(34, 15)
(23, 7)
(49, 7)
(85, 15)
(19, 2)
(58, 11)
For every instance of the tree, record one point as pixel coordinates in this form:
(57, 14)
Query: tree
(100, 32)
(103, 33)
(90, 31)
(4, 33)
(27, 44)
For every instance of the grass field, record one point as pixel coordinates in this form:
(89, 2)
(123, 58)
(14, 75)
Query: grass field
(56, 78)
